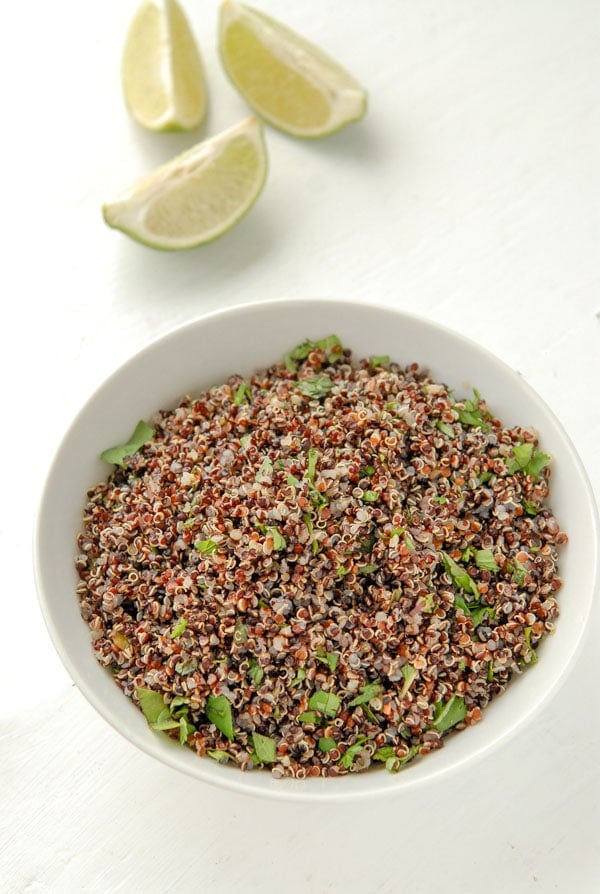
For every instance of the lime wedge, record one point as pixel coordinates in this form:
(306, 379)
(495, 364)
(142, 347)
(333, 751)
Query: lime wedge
(197, 196)
(288, 81)
(163, 78)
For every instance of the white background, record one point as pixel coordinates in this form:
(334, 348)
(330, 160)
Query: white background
(470, 194)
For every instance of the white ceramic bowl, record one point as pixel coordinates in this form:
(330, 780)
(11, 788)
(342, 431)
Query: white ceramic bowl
(245, 338)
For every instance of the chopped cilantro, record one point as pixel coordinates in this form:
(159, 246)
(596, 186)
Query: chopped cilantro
(409, 672)
(151, 702)
(244, 441)
(448, 714)
(307, 717)
(279, 541)
(185, 730)
(299, 678)
(186, 667)
(484, 559)
(444, 427)
(478, 614)
(327, 703)
(265, 748)
(256, 672)
(315, 386)
(471, 414)
(531, 651)
(371, 690)
(518, 571)
(218, 711)
(292, 481)
(531, 508)
(116, 455)
(179, 628)
(330, 344)
(381, 360)
(428, 602)
(460, 578)
(220, 756)
(367, 472)
(329, 658)
(206, 547)
(312, 456)
(265, 471)
(440, 500)
(490, 671)
(527, 460)
(393, 764)
(342, 572)
(368, 569)
(349, 756)
(326, 744)
(240, 633)
(243, 392)
(485, 477)
(307, 519)
(370, 496)
(384, 753)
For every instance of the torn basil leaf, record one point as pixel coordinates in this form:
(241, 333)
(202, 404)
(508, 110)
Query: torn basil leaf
(116, 455)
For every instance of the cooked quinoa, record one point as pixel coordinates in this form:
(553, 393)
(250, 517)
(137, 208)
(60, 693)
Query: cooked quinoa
(327, 565)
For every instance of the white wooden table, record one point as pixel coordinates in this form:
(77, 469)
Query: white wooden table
(470, 194)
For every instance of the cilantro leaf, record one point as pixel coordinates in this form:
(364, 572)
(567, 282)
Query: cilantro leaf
(448, 714)
(326, 744)
(393, 764)
(525, 458)
(444, 427)
(312, 456)
(265, 748)
(330, 344)
(243, 392)
(349, 756)
(151, 702)
(165, 721)
(116, 455)
(256, 672)
(292, 481)
(370, 496)
(409, 672)
(279, 541)
(299, 678)
(265, 471)
(206, 547)
(531, 508)
(220, 756)
(185, 730)
(531, 651)
(459, 576)
(327, 703)
(186, 667)
(329, 658)
(307, 717)
(179, 628)
(384, 753)
(381, 360)
(484, 559)
(371, 690)
(218, 711)
(315, 386)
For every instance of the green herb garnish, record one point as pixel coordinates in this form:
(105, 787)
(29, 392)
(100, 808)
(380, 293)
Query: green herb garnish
(218, 711)
(243, 392)
(448, 714)
(326, 744)
(439, 500)
(330, 344)
(460, 578)
(371, 690)
(531, 651)
(186, 667)
(152, 703)
(185, 730)
(370, 496)
(484, 559)
(220, 756)
(179, 628)
(342, 572)
(349, 756)
(116, 455)
(531, 508)
(409, 672)
(312, 456)
(393, 764)
(244, 441)
(444, 427)
(527, 459)
(240, 632)
(279, 541)
(329, 658)
(327, 703)
(315, 386)
(381, 360)
(384, 753)
(265, 748)
(368, 569)
(307, 717)
(299, 678)
(265, 471)
(256, 672)
(206, 547)
(292, 481)
(471, 414)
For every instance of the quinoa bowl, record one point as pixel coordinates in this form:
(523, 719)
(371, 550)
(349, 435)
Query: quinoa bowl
(348, 611)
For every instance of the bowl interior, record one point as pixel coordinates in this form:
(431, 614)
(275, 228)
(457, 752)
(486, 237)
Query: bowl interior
(240, 340)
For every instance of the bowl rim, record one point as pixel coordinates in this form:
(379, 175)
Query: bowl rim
(285, 790)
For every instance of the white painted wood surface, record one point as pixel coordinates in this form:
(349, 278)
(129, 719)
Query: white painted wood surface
(470, 193)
